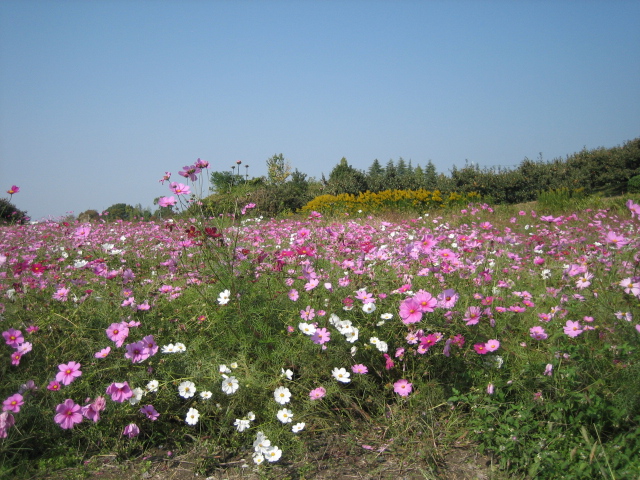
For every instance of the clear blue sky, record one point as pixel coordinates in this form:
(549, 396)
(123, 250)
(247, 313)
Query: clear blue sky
(99, 98)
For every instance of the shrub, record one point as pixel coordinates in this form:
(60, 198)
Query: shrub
(10, 214)
(634, 184)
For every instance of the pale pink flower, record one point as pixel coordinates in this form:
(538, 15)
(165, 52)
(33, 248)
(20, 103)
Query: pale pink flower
(68, 372)
(402, 387)
(317, 393)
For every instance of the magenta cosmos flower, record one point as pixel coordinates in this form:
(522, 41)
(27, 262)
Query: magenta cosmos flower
(13, 403)
(131, 430)
(402, 387)
(92, 411)
(68, 372)
(410, 311)
(151, 413)
(13, 337)
(119, 391)
(68, 414)
(118, 333)
(13, 189)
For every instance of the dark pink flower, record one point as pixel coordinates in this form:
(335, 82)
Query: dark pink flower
(480, 348)
(13, 337)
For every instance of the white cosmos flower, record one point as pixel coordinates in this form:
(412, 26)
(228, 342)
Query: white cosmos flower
(153, 385)
(137, 396)
(169, 348)
(382, 346)
(273, 454)
(251, 416)
(192, 416)
(187, 389)
(341, 375)
(224, 369)
(258, 458)
(307, 328)
(287, 373)
(285, 415)
(241, 424)
(206, 395)
(230, 385)
(352, 335)
(224, 297)
(369, 307)
(298, 427)
(386, 316)
(282, 395)
(261, 443)
(180, 347)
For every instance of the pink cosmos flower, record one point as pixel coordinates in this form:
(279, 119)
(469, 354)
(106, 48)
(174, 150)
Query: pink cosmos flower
(472, 316)
(6, 422)
(179, 188)
(167, 176)
(136, 352)
(308, 313)
(167, 201)
(317, 393)
(548, 369)
(480, 348)
(68, 414)
(388, 362)
(92, 411)
(573, 329)
(13, 403)
(131, 430)
(150, 345)
(293, 294)
(53, 386)
(492, 345)
(68, 372)
(447, 299)
(13, 189)
(13, 337)
(118, 333)
(490, 389)
(402, 387)
(119, 391)
(61, 294)
(425, 301)
(360, 368)
(102, 353)
(16, 357)
(150, 412)
(616, 240)
(321, 336)
(538, 333)
(410, 311)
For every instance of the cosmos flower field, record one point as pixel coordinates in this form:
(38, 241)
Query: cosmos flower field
(253, 334)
